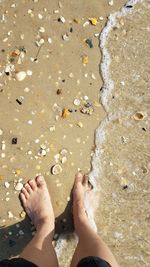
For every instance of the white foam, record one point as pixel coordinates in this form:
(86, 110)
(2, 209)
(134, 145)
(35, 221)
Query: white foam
(106, 59)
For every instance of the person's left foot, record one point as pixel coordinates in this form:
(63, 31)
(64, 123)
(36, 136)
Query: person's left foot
(37, 203)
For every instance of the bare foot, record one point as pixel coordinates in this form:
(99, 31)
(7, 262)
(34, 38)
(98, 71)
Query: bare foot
(81, 186)
(37, 203)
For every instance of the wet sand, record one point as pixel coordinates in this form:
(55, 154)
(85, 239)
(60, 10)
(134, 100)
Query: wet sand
(32, 39)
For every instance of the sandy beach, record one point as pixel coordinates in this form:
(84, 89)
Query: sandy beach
(74, 88)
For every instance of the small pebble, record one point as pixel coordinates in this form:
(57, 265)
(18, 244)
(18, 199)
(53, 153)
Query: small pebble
(14, 141)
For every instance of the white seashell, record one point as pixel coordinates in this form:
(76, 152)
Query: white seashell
(20, 76)
(1, 131)
(63, 152)
(49, 40)
(63, 160)
(18, 186)
(62, 19)
(56, 169)
(76, 102)
(7, 185)
(10, 215)
(41, 29)
(29, 72)
(65, 37)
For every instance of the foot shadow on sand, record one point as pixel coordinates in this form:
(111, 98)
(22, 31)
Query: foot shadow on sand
(15, 237)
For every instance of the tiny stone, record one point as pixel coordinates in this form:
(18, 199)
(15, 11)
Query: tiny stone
(59, 91)
(14, 141)
(30, 122)
(1, 131)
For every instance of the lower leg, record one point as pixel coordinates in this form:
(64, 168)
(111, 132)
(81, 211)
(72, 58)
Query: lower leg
(89, 244)
(37, 203)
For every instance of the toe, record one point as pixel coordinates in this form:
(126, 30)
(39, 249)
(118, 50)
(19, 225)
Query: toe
(78, 178)
(40, 181)
(32, 184)
(87, 184)
(23, 198)
(28, 188)
(25, 192)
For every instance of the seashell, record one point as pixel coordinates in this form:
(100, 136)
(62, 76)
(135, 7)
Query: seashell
(65, 37)
(18, 186)
(93, 21)
(10, 215)
(85, 59)
(7, 184)
(145, 170)
(56, 169)
(65, 113)
(63, 152)
(63, 160)
(138, 116)
(80, 124)
(76, 102)
(20, 76)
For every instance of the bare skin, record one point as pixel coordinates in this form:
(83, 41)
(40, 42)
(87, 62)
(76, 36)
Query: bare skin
(89, 244)
(37, 204)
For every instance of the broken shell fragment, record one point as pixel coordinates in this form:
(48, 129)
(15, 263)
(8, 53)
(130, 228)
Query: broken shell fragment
(65, 113)
(65, 37)
(22, 214)
(20, 76)
(56, 169)
(138, 116)
(18, 186)
(85, 59)
(93, 21)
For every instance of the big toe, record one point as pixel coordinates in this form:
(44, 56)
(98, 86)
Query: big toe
(78, 190)
(40, 181)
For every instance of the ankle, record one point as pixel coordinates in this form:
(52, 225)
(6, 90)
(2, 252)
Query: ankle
(45, 225)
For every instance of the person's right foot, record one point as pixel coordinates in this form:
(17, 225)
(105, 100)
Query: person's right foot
(81, 186)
